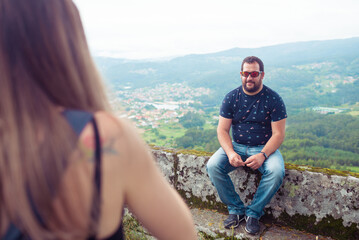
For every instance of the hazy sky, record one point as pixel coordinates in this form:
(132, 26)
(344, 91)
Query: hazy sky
(163, 28)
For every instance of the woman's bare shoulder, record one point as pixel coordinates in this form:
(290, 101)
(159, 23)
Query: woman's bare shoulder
(109, 123)
(118, 135)
(112, 131)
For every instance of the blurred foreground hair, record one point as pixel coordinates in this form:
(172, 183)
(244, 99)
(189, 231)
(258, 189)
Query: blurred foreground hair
(45, 66)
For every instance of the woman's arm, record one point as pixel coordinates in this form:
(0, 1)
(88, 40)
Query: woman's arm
(149, 196)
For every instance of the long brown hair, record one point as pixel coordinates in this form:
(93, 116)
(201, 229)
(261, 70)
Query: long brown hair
(45, 63)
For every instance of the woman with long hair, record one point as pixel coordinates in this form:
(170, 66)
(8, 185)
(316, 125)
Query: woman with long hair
(67, 166)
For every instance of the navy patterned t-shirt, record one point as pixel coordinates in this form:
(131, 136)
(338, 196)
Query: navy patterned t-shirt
(252, 115)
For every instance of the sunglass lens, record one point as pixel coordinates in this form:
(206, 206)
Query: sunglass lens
(254, 74)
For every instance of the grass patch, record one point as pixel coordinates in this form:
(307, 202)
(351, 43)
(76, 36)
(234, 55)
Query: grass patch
(354, 113)
(164, 135)
(208, 126)
(133, 229)
(353, 169)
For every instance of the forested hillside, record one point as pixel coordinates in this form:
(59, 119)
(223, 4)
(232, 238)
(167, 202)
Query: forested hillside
(311, 139)
(323, 140)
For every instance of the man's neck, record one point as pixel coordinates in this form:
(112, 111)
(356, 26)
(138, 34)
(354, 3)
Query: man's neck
(253, 93)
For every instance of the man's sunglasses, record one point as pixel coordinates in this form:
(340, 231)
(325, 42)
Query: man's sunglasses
(253, 74)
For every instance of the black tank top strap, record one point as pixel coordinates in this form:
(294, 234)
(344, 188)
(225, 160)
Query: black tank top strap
(78, 120)
(74, 117)
(95, 211)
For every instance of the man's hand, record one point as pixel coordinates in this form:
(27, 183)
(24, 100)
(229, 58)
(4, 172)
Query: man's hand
(255, 161)
(235, 160)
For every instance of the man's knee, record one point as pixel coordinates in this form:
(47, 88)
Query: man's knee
(275, 165)
(279, 173)
(211, 166)
(214, 162)
(275, 171)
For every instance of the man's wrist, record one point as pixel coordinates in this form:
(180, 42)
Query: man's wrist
(232, 155)
(265, 155)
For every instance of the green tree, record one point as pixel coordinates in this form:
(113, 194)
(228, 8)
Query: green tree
(198, 139)
(191, 120)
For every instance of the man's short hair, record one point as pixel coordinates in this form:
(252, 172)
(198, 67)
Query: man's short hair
(252, 59)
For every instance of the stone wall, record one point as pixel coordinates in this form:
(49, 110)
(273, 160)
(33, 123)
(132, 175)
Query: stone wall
(316, 201)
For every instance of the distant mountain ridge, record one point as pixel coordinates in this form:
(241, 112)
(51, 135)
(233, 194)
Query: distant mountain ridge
(300, 52)
(189, 68)
(301, 70)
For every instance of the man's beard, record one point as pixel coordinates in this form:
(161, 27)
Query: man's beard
(252, 89)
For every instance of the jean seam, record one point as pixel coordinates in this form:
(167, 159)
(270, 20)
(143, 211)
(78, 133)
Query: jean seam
(252, 216)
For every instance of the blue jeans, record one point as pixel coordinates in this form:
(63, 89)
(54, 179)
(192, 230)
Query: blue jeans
(272, 170)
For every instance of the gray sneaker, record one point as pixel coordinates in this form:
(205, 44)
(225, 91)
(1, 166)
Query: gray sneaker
(233, 221)
(252, 225)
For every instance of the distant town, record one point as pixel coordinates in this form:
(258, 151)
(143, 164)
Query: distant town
(328, 110)
(148, 107)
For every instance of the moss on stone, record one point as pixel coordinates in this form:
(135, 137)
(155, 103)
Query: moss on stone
(326, 171)
(328, 226)
(183, 151)
(133, 229)
(205, 236)
(292, 189)
(289, 166)
(195, 152)
(164, 149)
(175, 167)
(197, 202)
(154, 147)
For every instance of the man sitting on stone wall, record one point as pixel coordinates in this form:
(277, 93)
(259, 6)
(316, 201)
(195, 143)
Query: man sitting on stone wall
(257, 115)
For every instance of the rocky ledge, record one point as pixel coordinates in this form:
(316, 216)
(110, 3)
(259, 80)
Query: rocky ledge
(319, 201)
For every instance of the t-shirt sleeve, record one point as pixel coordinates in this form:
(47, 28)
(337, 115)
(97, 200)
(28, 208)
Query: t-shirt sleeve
(279, 111)
(226, 110)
